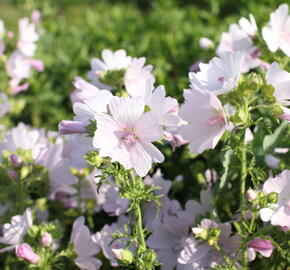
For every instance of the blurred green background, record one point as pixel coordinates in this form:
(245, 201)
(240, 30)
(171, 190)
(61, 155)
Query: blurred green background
(166, 32)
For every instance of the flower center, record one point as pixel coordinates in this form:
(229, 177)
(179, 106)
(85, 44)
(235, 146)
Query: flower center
(216, 121)
(129, 138)
(221, 80)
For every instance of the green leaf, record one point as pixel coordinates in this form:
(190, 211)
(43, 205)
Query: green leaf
(270, 141)
(226, 163)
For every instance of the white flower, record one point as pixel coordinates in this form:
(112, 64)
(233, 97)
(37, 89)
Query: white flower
(84, 247)
(280, 80)
(88, 109)
(26, 138)
(27, 37)
(14, 232)
(277, 34)
(220, 75)
(238, 40)
(278, 213)
(164, 108)
(249, 26)
(137, 75)
(111, 61)
(126, 134)
(206, 117)
(18, 67)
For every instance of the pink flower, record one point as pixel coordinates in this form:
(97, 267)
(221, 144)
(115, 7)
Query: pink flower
(204, 111)
(25, 252)
(239, 39)
(280, 80)
(36, 64)
(220, 75)
(84, 247)
(105, 240)
(264, 247)
(110, 61)
(71, 127)
(137, 75)
(199, 255)
(46, 239)
(165, 108)
(175, 139)
(27, 37)
(84, 90)
(36, 16)
(277, 34)
(278, 213)
(126, 134)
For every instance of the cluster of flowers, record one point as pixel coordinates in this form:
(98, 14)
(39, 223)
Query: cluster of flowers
(119, 114)
(21, 61)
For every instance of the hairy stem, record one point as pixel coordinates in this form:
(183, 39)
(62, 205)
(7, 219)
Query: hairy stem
(242, 199)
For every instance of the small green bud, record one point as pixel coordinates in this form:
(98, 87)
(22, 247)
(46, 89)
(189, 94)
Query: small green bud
(91, 128)
(272, 197)
(147, 108)
(33, 231)
(276, 110)
(124, 256)
(113, 77)
(200, 233)
(268, 91)
(24, 171)
(150, 256)
(93, 158)
(263, 200)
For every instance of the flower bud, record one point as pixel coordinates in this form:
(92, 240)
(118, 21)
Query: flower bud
(251, 195)
(113, 77)
(205, 43)
(46, 239)
(123, 255)
(71, 127)
(150, 256)
(272, 197)
(13, 174)
(15, 160)
(25, 252)
(200, 232)
(36, 16)
(264, 247)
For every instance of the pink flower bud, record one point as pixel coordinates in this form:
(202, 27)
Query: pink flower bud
(19, 88)
(71, 127)
(272, 161)
(15, 160)
(117, 253)
(46, 239)
(251, 194)
(36, 64)
(264, 247)
(36, 16)
(205, 43)
(197, 231)
(25, 252)
(13, 174)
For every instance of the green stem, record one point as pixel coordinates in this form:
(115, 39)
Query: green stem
(138, 215)
(140, 232)
(243, 200)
